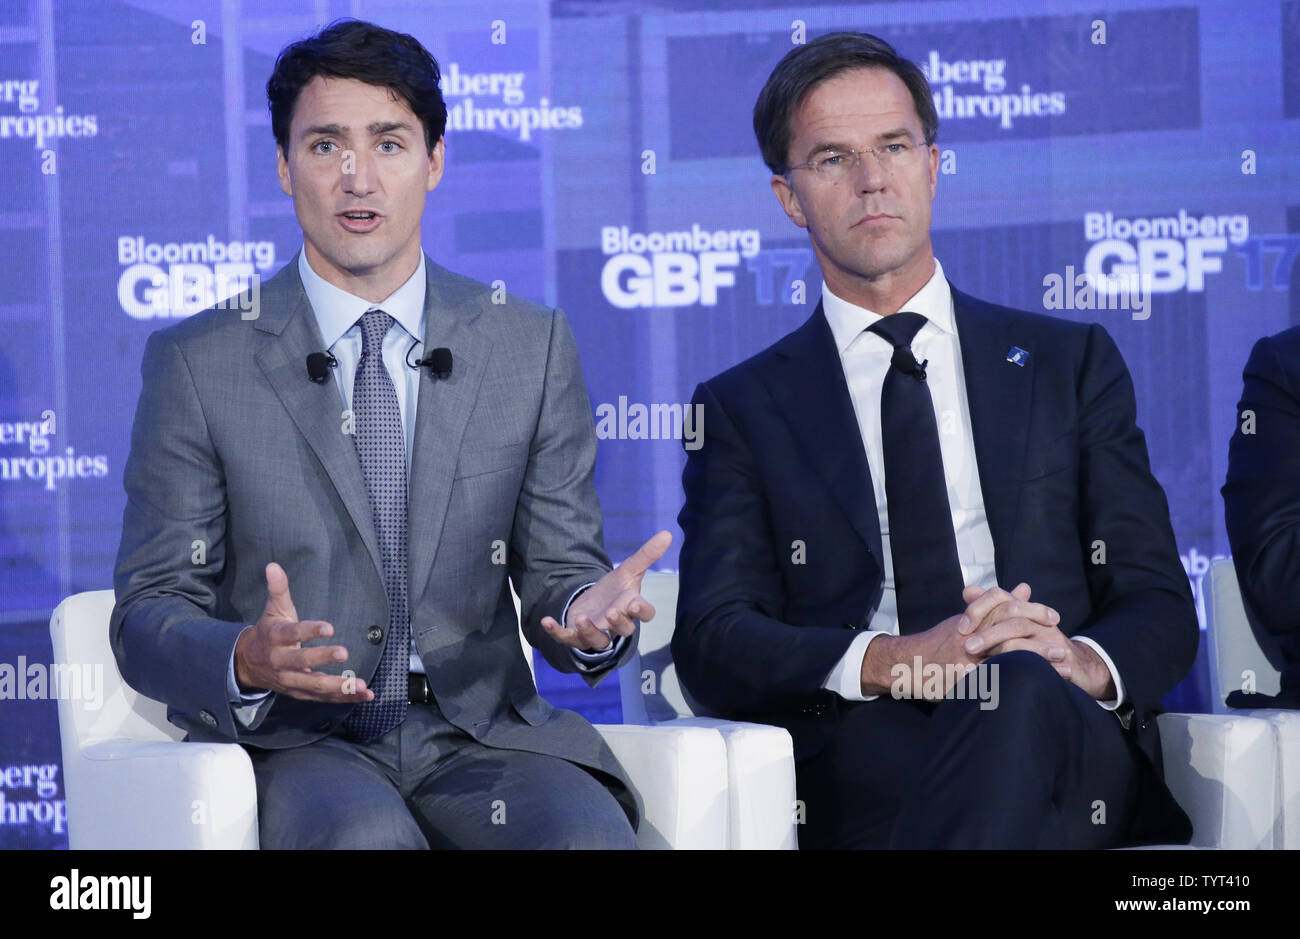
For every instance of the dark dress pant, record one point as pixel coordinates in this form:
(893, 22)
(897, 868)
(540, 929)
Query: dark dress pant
(1047, 767)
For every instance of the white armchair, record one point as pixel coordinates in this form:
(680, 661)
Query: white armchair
(1260, 794)
(760, 757)
(128, 776)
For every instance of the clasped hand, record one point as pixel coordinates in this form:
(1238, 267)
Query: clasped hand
(997, 621)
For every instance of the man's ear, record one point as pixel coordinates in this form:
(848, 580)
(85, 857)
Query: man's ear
(282, 171)
(789, 200)
(437, 163)
(934, 169)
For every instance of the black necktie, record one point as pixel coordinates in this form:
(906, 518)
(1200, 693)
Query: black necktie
(927, 573)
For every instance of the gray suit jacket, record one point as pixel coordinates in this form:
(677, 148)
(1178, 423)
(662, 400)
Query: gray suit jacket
(238, 459)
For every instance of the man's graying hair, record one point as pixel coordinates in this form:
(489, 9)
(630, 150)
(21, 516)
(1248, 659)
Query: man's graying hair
(806, 66)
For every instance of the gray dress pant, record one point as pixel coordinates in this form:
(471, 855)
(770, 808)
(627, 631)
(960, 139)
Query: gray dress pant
(428, 784)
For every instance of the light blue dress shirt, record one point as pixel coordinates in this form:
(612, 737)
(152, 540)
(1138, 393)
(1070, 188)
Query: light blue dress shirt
(338, 314)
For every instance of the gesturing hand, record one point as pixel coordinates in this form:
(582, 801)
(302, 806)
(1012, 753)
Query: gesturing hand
(609, 605)
(271, 656)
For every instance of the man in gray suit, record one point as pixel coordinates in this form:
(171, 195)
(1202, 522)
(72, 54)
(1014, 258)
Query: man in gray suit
(387, 702)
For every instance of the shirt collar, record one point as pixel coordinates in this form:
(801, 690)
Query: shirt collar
(848, 320)
(337, 310)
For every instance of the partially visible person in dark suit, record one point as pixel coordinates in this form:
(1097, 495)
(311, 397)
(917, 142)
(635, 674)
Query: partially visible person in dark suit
(1261, 499)
(880, 493)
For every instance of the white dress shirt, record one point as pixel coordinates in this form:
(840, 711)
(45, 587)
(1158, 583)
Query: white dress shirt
(865, 357)
(338, 314)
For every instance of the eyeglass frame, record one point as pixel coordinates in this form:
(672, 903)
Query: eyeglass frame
(857, 157)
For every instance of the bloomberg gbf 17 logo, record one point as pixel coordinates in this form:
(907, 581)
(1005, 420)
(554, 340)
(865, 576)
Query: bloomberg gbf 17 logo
(178, 279)
(1168, 253)
(672, 268)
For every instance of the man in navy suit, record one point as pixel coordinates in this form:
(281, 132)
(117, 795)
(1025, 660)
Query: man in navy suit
(881, 492)
(1262, 501)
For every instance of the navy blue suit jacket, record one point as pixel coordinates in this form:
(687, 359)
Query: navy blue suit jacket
(1262, 501)
(1062, 465)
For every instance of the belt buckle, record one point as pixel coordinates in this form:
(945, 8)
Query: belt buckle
(417, 688)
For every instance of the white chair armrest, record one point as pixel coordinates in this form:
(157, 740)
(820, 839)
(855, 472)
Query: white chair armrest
(680, 773)
(760, 779)
(1285, 725)
(129, 794)
(1222, 769)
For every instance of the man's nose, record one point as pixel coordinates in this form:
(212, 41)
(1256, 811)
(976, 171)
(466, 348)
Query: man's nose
(362, 179)
(871, 174)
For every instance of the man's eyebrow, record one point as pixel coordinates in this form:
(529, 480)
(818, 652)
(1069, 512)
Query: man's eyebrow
(823, 146)
(893, 134)
(376, 128)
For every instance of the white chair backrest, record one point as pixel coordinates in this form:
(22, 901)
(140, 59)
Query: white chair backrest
(648, 684)
(103, 707)
(1235, 652)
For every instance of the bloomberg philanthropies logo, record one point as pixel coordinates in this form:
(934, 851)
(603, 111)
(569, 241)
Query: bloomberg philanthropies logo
(41, 129)
(508, 89)
(40, 463)
(990, 100)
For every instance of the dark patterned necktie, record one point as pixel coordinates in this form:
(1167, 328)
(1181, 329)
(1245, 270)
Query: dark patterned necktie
(381, 446)
(927, 572)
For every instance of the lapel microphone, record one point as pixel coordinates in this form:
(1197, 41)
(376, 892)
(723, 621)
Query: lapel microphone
(319, 365)
(438, 361)
(906, 363)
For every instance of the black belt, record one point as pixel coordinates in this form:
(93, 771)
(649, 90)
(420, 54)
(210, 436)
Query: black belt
(417, 688)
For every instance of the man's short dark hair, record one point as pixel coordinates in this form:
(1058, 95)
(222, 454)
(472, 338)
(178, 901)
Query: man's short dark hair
(350, 48)
(806, 66)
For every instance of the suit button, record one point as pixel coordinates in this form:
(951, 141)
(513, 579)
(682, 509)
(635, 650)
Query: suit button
(1144, 725)
(374, 635)
(208, 718)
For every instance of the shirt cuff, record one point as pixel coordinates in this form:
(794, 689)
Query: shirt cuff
(1115, 704)
(246, 715)
(590, 661)
(845, 678)
(233, 694)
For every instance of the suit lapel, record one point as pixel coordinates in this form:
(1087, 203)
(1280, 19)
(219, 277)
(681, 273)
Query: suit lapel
(316, 409)
(442, 410)
(999, 394)
(809, 390)
(451, 305)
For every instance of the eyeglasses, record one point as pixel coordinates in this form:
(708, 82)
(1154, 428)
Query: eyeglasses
(835, 164)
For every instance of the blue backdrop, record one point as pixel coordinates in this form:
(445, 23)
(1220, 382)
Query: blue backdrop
(600, 158)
